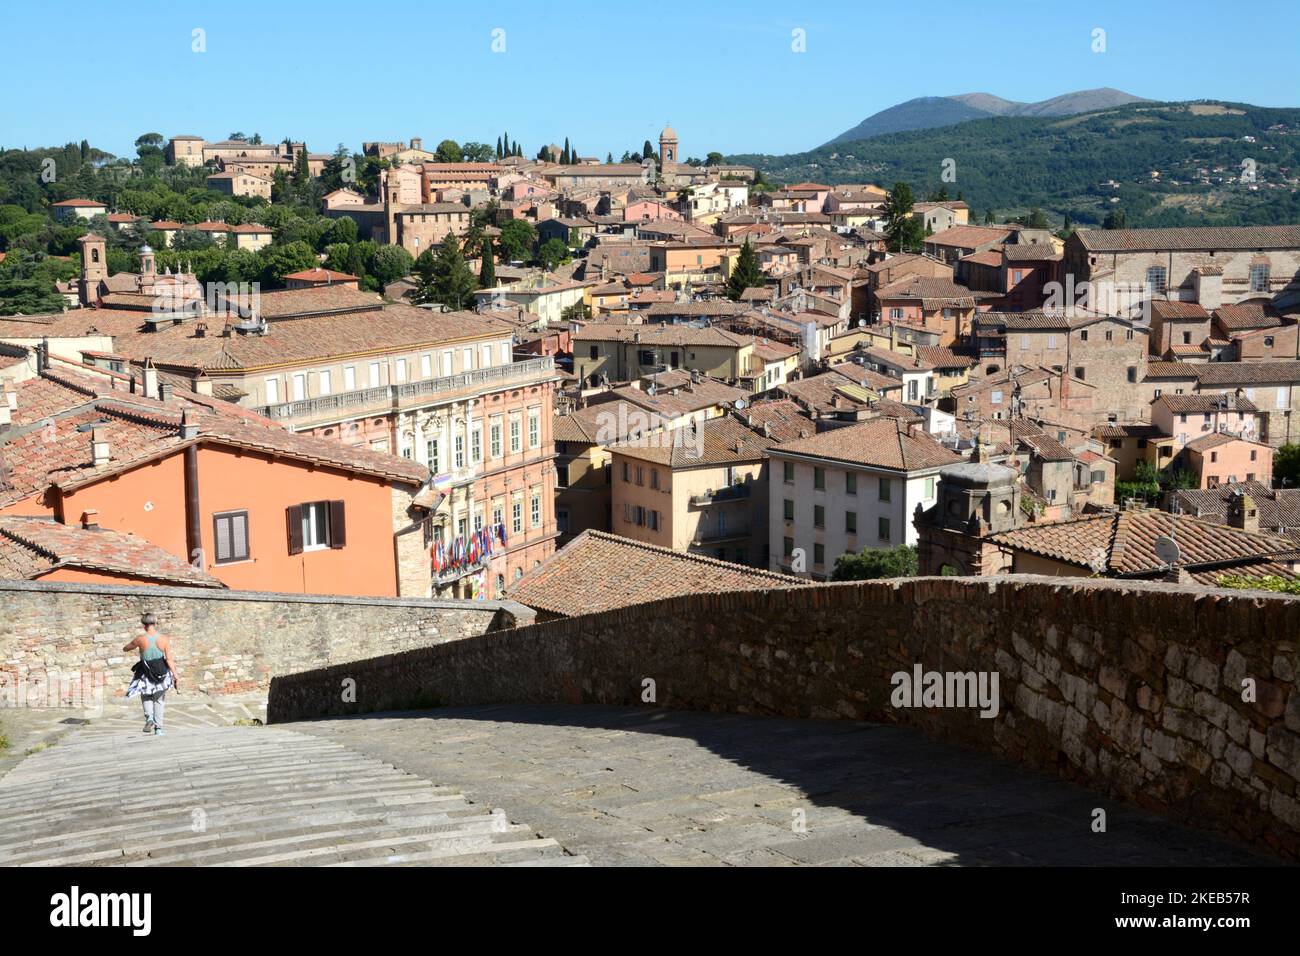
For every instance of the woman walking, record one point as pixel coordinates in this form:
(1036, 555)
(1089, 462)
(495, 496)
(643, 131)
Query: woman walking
(153, 674)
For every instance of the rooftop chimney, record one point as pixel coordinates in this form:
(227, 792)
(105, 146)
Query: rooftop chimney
(5, 417)
(150, 378)
(99, 450)
(189, 424)
(90, 519)
(165, 391)
(1243, 513)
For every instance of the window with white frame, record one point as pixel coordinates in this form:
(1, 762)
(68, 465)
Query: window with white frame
(494, 438)
(535, 508)
(272, 391)
(401, 370)
(515, 433)
(349, 378)
(324, 383)
(534, 427)
(475, 443)
(299, 387)
(426, 366)
(376, 375)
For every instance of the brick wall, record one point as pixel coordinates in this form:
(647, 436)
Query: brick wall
(1133, 689)
(225, 641)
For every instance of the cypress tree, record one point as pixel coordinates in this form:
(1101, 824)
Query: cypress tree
(746, 274)
(487, 273)
(498, 147)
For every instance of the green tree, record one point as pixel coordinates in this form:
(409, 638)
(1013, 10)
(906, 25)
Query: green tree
(445, 279)
(1037, 219)
(553, 252)
(897, 562)
(1286, 466)
(280, 260)
(713, 159)
(517, 238)
(904, 232)
(389, 264)
(487, 272)
(449, 151)
(746, 274)
(1115, 219)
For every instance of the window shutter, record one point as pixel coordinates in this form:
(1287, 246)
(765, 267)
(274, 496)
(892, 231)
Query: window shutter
(223, 539)
(338, 528)
(239, 537)
(294, 514)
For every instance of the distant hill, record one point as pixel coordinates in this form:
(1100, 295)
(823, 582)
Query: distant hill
(929, 112)
(1086, 164)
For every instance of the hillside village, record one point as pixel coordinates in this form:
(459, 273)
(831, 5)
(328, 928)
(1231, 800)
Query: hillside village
(503, 377)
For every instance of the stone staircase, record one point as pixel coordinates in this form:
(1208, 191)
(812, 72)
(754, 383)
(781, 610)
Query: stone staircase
(212, 794)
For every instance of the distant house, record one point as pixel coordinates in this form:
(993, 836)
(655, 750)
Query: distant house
(70, 209)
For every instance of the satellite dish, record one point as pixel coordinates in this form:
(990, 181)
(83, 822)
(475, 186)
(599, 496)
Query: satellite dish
(740, 404)
(1167, 550)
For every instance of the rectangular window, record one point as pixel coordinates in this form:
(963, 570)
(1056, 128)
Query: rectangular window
(426, 366)
(517, 516)
(498, 511)
(850, 483)
(459, 454)
(325, 383)
(534, 428)
(819, 553)
(350, 378)
(487, 357)
(626, 471)
(929, 487)
(515, 427)
(995, 397)
(788, 511)
(595, 352)
(299, 387)
(230, 536)
(475, 443)
(401, 370)
(466, 359)
(851, 522)
(494, 440)
(1156, 280)
(654, 478)
(886, 488)
(1079, 372)
(819, 478)
(1259, 278)
(376, 375)
(882, 529)
(315, 526)
(505, 353)
(787, 472)
(819, 516)
(431, 453)
(535, 509)
(272, 391)
(640, 475)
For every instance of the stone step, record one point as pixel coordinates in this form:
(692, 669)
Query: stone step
(106, 794)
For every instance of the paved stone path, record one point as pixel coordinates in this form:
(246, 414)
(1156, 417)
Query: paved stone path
(628, 786)
(210, 793)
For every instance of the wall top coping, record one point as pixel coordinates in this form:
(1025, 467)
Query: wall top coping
(209, 594)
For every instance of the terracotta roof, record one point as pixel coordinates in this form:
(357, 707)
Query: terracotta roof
(320, 274)
(1128, 430)
(80, 203)
(1029, 252)
(33, 547)
(1231, 374)
(940, 356)
(717, 441)
(784, 419)
(658, 335)
(931, 291)
(599, 572)
(1279, 508)
(1247, 315)
(1170, 370)
(1206, 237)
(1123, 543)
(1169, 309)
(967, 237)
(1206, 402)
(879, 443)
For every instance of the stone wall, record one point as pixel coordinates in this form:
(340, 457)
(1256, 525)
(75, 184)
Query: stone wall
(1131, 688)
(71, 635)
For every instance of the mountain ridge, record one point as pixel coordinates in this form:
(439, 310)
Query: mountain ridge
(932, 112)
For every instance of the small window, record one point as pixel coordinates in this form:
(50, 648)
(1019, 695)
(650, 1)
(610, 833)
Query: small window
(1259, 278)
(819, 553)
(787, 546)
(788, 510)
(882, 529)
(787, 471)
(1156, 280)
(819, 516)
(850, 483)
(1078, 372)
(819, 478)
(231, 536)
(316, 526)
(885, 488)
(851, 522)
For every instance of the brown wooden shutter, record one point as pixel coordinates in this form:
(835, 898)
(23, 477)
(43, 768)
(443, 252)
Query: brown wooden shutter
(338, 527)
(294, 513)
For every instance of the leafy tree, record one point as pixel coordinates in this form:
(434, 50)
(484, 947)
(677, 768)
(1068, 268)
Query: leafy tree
(278, 261)
(487, 273)
(476, 152)
(237, 138)
(897, 562)
(903, 231)
(648, 151)
(938, 195)
(1037, 219)
(1115, 219)
(609, 157)
(713, 159)
(1286, 466)
(27, 286)
(553, 253)
(449, 151)
(388, 264)
(517, 238)
(745, 274)
(578, 312)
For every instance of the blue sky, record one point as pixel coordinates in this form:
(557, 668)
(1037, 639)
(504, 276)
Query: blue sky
(606, 74)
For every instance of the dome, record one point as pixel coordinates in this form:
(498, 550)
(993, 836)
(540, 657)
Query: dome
(668, 133)
(976, 474)
(145, 250)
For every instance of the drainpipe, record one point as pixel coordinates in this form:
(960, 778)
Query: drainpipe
(193, 534)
